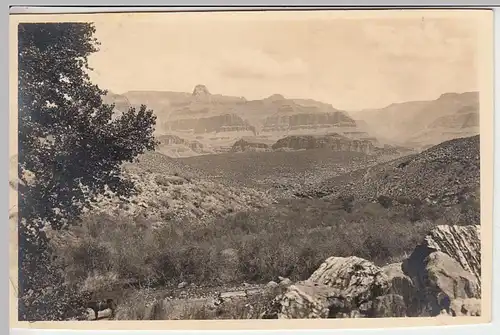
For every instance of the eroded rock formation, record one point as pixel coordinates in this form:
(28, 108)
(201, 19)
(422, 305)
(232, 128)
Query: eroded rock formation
(243, 145)
(334, 142)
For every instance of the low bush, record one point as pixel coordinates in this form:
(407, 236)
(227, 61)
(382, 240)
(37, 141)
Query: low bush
(290, 239)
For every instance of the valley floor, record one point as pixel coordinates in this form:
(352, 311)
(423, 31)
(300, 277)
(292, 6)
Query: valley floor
(288, 237)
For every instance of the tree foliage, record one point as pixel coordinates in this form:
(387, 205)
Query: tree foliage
(71, 145)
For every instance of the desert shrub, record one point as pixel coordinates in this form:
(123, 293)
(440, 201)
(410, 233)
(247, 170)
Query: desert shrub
(347, 203)
(404, 200)
(99, 282)
(385, 201)
(291, 239)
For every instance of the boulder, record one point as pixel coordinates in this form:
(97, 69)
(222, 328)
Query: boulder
(340, 287)
(305, 300)
(358, 279)
(388, 306)
(272, 285)
(400, 283)
(437, 269)
(285, 282)
(466, 307)
(446, 275)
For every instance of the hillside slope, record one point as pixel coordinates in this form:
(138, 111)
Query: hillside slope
(172, 191)
(445, 174)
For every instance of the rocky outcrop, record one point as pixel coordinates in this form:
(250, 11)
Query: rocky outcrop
(314, 296)
(176, 140)
(458, 120)
(243, 145)
(354, 276)
(432, 281)
(340, 287)
(400, 283)
(201, 91)
(334, 142)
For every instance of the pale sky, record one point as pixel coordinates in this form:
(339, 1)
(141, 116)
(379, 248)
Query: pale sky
(351, 63)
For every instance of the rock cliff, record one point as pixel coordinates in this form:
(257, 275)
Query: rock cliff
(333, 141)
(244, 145)
(288, 119)
(221, 120)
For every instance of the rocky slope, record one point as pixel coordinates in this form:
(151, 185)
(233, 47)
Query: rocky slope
(423, 123)
(170, 191)
(445, 174)
(430, 282)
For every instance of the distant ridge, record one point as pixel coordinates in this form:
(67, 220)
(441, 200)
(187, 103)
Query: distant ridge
(425, 123)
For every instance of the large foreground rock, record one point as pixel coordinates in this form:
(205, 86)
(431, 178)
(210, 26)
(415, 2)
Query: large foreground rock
(462, 243)
(445, 267)
(358, 279)
(435, 279)
(340, 287)
(305, 300)
(438, 280)
(400, 283)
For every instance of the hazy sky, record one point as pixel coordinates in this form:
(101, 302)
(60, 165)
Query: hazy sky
(351, 63)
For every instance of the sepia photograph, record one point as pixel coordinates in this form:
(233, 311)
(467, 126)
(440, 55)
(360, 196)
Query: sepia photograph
(251, 165)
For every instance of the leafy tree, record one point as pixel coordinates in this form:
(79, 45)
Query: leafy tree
(71, 147)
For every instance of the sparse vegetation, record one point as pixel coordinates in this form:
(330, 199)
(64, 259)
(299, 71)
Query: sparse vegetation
(253, 244)
(99, 215)
(289, 239)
